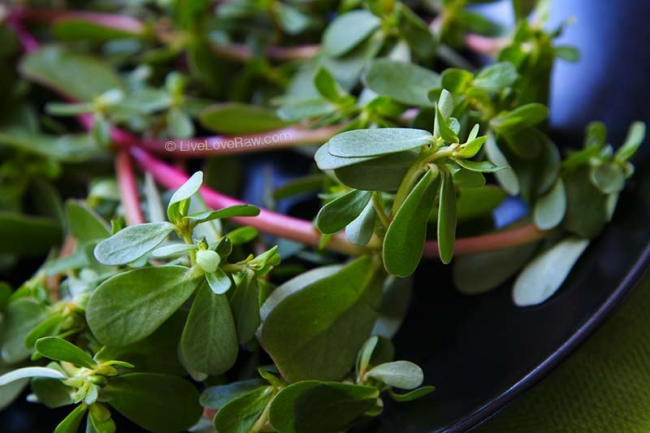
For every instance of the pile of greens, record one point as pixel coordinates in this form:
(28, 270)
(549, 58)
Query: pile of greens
(419, 120)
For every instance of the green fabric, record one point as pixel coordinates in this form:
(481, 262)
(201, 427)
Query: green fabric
(603, 387)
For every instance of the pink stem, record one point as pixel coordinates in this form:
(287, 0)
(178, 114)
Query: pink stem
(303, 231)
(27, 41)
(268, 222)
(242, 52)
(128, 188)
(117, 22)
(484, 44)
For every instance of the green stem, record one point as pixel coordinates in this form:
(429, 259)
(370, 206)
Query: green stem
(187, 238)
(263, 419)
(378, 204)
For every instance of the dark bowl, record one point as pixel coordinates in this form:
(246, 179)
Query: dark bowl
(482, 352)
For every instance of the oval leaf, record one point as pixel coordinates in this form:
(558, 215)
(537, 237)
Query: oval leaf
(316, 330)
(58, 349)
(320, 407)
(340, 212)
(406, 235)
(349, 30)
(551, 207)
(209, 341)
(29, 372)
(379, 174)
(447, 218)
(398, 374)
(131, 243)
(234, 118)
(156, 402)
(546, 273)
(131, 306)
(377, 142)
(241, 414)
(401, 81)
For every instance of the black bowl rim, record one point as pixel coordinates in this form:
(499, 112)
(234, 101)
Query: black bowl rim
(561, 354)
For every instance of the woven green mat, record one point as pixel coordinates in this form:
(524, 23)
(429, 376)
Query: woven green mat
(603, 387)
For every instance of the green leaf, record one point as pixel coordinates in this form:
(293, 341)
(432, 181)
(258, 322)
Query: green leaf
(240, 210)
(179, 204)
(69, 73)
(130, 306)
(100, 418)
(586, 213)
(218, 396)
(218, 281)
(568, 53)
(336, 311)
(379, 174)
(479, 166)
(446, 218)
(158, 353)
(26, 235)
(179, 123)
(341, 211)
(550, 208)
(172, 250)
(291, 19)
(327, 86)
(465, 178)
(471, 148)
(20, 318)
(443, 130)
(63, 109)
(85, 224)
(520, 118)
(209, 341)
(156, 402)
(234, 118)
(241, 414)
(52, 393)
(361, 229)
(479, 273)
(132, 243)
(415, 31)
(403, 82)
(326, 161)
(398, 374)
(71, 422)
(245, 307)
(635, 137)
(523, 8)
(412, 395)
(64, 148)
(365, 355)
(608, 178)
(242, 235)
(546, 273)
(497, 76)
(29, 372)
(406, 234)
(75, 29)
(58, 349)
(348, 31)
(377, 142)
(320, 407)
(506, 178)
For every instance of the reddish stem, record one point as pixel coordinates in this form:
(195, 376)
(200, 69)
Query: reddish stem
(128, 188)
(303, 231)
(485, 45)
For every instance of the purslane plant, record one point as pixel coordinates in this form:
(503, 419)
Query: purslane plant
(415, 147)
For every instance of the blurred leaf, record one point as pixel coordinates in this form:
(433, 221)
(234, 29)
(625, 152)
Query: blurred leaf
(81, 76)
(403, 82)
(348, 30)
(546, 273)
(233, 118)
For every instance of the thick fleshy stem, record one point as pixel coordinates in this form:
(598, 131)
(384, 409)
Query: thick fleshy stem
(267, 221)
(128, 188)
(303, 231)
